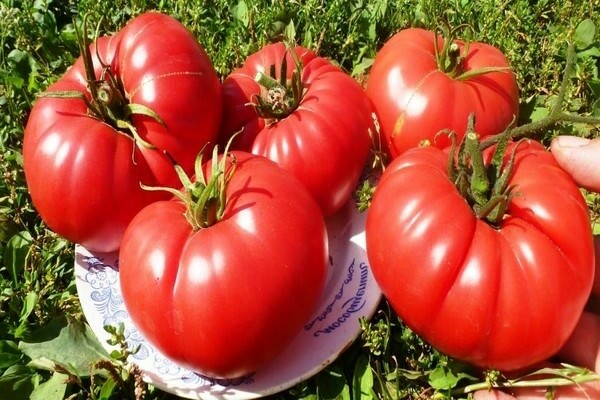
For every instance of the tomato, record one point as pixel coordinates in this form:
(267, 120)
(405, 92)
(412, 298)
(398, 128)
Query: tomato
(415, 97)
(84, 173)
(501, 296)
(318, 130)
(224, 300)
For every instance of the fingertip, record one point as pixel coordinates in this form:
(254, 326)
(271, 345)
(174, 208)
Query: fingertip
(580, 158)
(567, 141)
(492, 395)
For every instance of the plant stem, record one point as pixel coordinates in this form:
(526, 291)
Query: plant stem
(480, 183)
(549, 382)
(556, 114)
(551, 377)
(88, 64)
(266, 81)
(465, 76)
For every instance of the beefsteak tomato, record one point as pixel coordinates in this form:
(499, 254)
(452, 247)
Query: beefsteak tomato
(501, 296)
(87, 146)
(225, 299)
(311, 118)
(421, 84)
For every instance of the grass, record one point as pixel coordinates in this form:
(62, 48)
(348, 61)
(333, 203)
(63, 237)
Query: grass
(37, 44)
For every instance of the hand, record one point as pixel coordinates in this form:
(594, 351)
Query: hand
(581, 159)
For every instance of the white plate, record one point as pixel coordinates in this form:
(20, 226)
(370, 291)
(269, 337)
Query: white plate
(351, 293)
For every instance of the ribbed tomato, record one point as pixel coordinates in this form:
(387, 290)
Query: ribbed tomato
(314, 122)
(87, 147)
(225, 296)
(500, 296)
(421, 84)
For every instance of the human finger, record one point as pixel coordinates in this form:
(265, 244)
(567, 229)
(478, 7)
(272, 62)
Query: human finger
(580, 157)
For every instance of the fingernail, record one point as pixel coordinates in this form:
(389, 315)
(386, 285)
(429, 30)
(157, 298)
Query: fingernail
(571, 141)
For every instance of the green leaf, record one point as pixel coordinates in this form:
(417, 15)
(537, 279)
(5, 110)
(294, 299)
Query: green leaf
(9, 354)
(16, 81)
(330, 383)
(53, 389)
(29, 303)
(19, 381)
(362, 66)
(72, 345)
(40, 5)
(539, 113)
(591, 52)
(15, 254)
(290, 32)
(107, 389)
(240, 13)
(42, 363)
(345, 395)
(16, 57)
(584, 34)
(362, 381)
(594, 84)
(444, 378)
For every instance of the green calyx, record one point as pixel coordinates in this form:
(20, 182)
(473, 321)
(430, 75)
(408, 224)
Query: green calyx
(107, 101)
(204, 198)
(280, 97)
(485, 187)
(451, 60)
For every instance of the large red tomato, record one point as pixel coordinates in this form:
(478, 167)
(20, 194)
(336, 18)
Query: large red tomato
(501, 297)
(83, 172)
(315, 125)
(225, 299)
(417, 94)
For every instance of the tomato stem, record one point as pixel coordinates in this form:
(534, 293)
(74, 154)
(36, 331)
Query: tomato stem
(485, 187)
(479, 184)
(205, 198)
(450, 59)
(107, 101)
(280, 97)
(88, 65)
(466, 75)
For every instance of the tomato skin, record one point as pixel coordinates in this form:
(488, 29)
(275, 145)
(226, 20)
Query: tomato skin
(83, 175)
(501, 298)
(325, 141)
(226, 299)
(414, 100)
